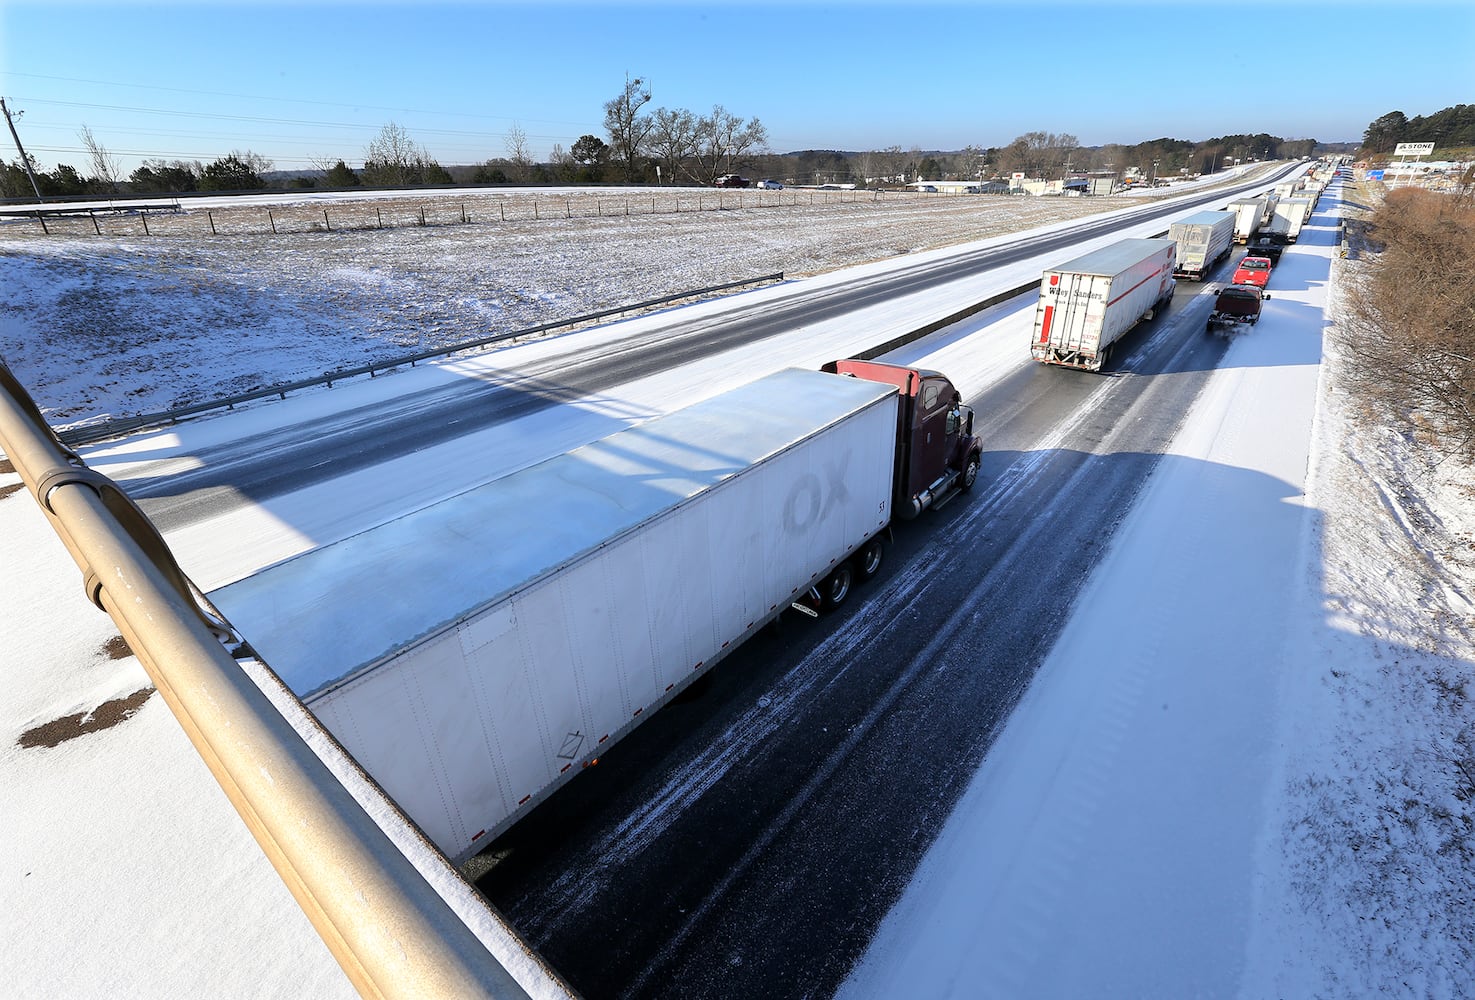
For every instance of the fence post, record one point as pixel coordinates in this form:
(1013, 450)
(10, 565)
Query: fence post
(378, 218)
(568, 210)
(211, 216)
(272, 221)
(326, 221)
(535, 211)
(422, 215)
(502, 206)
(145, 217)
(463, 222)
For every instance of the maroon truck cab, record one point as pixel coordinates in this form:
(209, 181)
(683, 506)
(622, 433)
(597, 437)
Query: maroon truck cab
(937, 453)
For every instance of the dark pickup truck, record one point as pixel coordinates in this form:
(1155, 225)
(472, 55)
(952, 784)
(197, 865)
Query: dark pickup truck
(1265, 248)
(1235, 306)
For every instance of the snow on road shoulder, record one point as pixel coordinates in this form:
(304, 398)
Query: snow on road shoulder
(1366, 886)
(1109, 844)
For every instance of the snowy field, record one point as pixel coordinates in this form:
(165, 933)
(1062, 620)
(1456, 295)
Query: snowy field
(1244, 771)
(296, 305)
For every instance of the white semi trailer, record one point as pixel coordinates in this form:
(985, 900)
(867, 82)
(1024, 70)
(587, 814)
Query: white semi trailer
(1248, 214)
(1203, 239)
(474, 655)
(1086, 305)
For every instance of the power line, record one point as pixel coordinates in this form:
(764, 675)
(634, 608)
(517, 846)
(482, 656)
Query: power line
(286, 100)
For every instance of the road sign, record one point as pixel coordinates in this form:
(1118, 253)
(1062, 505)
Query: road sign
(1413, 149)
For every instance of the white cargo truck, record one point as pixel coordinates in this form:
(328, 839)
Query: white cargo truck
(1086, 305)
(476, 654)
(1203, 239)
(1248, 213)
(1285, 225)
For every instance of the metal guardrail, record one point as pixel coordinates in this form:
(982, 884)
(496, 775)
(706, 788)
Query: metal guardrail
(97, 432)
(392, 932)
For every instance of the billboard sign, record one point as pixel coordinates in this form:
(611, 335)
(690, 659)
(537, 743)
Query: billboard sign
(1413, 149)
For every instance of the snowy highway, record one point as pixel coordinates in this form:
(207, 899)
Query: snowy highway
(304, 472)
(771, 829)
(735, 843)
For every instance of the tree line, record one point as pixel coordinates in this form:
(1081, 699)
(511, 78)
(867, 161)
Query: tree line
(1409, 318)
(1452, 128)
(645, 145)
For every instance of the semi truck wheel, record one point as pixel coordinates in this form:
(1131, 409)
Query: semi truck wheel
(836, 586)
(868, 559)
(970, 473)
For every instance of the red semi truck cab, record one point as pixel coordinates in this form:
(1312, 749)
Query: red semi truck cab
(937, 453)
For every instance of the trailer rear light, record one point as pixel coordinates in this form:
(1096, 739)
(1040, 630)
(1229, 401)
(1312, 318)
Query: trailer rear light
(478, 836)
(591, 762)
(523, 800)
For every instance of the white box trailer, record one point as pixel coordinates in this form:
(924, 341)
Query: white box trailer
(1290, 215)
(1203, 239)
(1248, 213)
(474, 655)
(1086, 305)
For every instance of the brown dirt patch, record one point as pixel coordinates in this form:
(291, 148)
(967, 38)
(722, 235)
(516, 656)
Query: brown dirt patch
(70, 727)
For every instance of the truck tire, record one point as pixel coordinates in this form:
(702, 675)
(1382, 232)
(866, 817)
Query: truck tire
(836, 586)
(970, 473)
(868, 559)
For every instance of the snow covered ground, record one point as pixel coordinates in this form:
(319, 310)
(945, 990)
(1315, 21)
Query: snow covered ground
(1245, 769)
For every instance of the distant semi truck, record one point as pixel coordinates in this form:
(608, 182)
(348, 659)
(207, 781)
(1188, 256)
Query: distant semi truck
(1086, 305)
(1286, 222)
(1203, 240)
(1248, 214)
(476, 654)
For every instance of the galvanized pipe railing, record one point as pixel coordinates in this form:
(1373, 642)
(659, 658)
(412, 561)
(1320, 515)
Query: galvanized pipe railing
(390, 930)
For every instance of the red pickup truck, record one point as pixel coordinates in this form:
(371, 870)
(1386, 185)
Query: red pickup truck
(1252, 271)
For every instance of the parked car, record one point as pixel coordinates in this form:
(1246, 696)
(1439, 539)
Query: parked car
(1252, 271)
(769, 185)
(732, 181)
(928, 189)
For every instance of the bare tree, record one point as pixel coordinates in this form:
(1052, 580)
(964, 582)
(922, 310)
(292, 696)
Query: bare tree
(893, 164)
(722, 141)
(1039, 154)
(393, 158)
(672, 139)
(518, 157)
(1409, 317)
(565, 168)
(627, 127)
(107, 170)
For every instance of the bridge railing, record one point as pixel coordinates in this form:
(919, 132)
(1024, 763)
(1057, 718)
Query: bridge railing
(396, 926)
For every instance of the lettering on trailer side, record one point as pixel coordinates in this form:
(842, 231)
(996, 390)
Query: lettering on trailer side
(811, 498)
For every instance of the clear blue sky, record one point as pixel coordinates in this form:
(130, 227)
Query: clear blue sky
(295, 83)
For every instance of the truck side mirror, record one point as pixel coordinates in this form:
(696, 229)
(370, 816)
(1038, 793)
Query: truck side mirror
(953, 419)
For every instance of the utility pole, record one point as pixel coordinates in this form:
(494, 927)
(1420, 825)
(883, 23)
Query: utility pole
(25, 160)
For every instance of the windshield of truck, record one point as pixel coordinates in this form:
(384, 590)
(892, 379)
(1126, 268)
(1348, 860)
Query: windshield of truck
(1255, 264)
